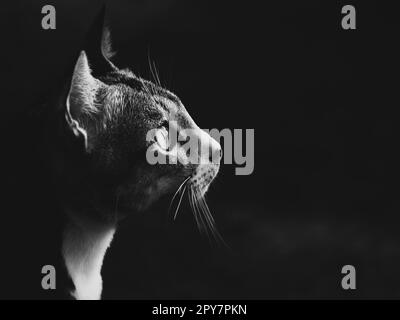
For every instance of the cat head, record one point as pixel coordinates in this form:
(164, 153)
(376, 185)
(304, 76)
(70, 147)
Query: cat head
(115, 120)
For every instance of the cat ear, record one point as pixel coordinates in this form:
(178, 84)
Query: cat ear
(81, 97)
(98, 46)
(83, 89)
(83, 86)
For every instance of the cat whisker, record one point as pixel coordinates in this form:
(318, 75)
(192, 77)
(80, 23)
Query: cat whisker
(153, 70)
(177, 192)
(192, 202)
(157, 76)
(179, 203)
(208, 221)
(197, 213)
(204, 221)
(150, 65)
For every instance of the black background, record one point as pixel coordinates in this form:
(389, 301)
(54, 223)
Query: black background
(322, 101)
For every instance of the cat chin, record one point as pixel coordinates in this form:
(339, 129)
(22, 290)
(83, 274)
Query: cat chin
(203, 177)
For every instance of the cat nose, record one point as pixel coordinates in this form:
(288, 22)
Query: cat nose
(216, 151)
(210, 148)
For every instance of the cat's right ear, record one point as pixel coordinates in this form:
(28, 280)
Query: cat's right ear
(98, 46)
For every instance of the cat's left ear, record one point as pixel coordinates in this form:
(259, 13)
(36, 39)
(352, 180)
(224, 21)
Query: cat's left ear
(80, 103)
(84, 83)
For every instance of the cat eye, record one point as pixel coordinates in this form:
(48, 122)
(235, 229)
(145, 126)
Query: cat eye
(161, 137)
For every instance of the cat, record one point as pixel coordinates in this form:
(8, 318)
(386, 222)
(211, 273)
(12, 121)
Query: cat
(97, 141)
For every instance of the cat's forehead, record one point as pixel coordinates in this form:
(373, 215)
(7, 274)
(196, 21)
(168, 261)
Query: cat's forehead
(139, 85)
(128, 78)
(128, 87)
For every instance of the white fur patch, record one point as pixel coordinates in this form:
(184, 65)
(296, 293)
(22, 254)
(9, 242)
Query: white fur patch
(84, 247)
